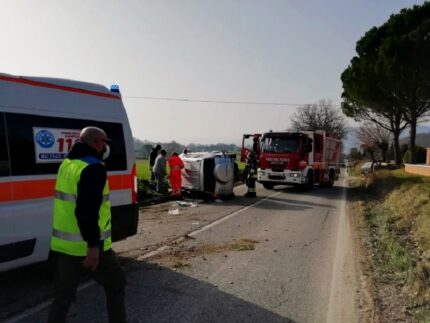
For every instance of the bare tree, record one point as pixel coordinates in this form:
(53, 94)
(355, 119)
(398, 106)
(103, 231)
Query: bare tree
(374, 140)
(387, 115)
(323, 115)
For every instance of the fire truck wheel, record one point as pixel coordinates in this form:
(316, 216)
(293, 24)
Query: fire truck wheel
(309, 184)
(268, 186)
(331, 179)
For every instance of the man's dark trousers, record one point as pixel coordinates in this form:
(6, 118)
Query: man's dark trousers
(70, 272)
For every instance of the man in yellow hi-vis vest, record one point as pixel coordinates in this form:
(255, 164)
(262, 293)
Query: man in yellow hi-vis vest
(81, 235)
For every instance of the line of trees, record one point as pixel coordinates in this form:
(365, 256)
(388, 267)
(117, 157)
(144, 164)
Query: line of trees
(374, 140)
(143, 148)
(388, 82)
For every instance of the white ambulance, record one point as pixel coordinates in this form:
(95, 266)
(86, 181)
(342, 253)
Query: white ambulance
(40, 120)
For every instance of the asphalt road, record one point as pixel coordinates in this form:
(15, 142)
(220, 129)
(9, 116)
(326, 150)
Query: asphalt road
(285, 256)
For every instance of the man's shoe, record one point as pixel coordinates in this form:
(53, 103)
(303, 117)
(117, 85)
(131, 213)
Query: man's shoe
(250, 194)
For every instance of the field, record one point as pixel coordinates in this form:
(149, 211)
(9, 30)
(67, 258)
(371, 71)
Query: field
(143, 169)
(144, 173)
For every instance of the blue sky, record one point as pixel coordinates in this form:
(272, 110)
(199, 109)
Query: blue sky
(290, 51)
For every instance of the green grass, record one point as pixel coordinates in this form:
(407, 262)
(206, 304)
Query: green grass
(393, 257)
(143, 171)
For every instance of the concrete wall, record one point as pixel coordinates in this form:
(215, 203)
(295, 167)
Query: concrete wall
(418, 169)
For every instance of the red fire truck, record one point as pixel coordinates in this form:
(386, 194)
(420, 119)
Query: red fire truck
(295, 158)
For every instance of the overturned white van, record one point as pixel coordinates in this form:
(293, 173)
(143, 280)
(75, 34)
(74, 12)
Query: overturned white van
(208, 172)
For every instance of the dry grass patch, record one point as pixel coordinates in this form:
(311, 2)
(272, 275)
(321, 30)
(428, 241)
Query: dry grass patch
(180, 256)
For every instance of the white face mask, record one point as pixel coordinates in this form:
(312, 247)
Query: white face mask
(106, 153)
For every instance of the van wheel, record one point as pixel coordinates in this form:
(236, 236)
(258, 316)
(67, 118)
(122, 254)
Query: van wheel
(268, 186)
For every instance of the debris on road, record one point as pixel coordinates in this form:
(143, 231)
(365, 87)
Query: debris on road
(173, 211)
(185, 204)
(178, 255)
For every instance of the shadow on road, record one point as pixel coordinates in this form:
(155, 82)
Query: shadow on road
(154, 294)
(24, 287)
(158, 294)
(332, 193)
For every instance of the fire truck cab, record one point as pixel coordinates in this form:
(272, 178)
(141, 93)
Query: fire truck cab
(296, 158)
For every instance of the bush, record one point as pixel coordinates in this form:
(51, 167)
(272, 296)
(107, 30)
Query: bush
(420, 155)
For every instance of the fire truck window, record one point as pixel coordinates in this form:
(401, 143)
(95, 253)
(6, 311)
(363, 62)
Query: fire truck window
(280, 145)
(21, 142)
(4, 156)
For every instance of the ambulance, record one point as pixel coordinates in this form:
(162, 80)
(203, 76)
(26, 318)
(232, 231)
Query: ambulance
(40, 120)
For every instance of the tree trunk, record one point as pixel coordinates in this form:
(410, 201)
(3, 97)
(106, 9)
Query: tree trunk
(413, 134)
(397, 157)
(372, 154)
(384, 153)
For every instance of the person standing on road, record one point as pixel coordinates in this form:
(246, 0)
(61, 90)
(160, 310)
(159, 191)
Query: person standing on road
(152, 157)
(176, 164)
(81, 235)
(159, 171)
(250, 172)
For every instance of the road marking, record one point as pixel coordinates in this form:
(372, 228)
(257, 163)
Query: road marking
(228, 216)
(290, 203)
(339, 261)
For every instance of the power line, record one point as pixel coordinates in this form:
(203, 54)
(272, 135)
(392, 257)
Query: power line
(213, 101)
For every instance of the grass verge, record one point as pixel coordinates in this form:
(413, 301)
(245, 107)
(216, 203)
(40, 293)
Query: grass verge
(396, 211)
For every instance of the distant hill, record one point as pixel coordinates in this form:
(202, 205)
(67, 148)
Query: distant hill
(423, 137)
(420, 129)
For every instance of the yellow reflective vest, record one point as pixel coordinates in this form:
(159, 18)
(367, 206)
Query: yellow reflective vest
(66, 236)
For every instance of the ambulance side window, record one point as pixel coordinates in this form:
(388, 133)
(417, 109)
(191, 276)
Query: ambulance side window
(4, 156)
(22, 142)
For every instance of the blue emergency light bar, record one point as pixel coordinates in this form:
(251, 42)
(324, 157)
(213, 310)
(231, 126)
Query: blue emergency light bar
(114, 88)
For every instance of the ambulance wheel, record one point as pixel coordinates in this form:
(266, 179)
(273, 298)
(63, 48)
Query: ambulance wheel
(268, 186)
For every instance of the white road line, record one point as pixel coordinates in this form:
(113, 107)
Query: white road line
(334, 309)
(48, 302)
(228, 216)
(289, 203)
